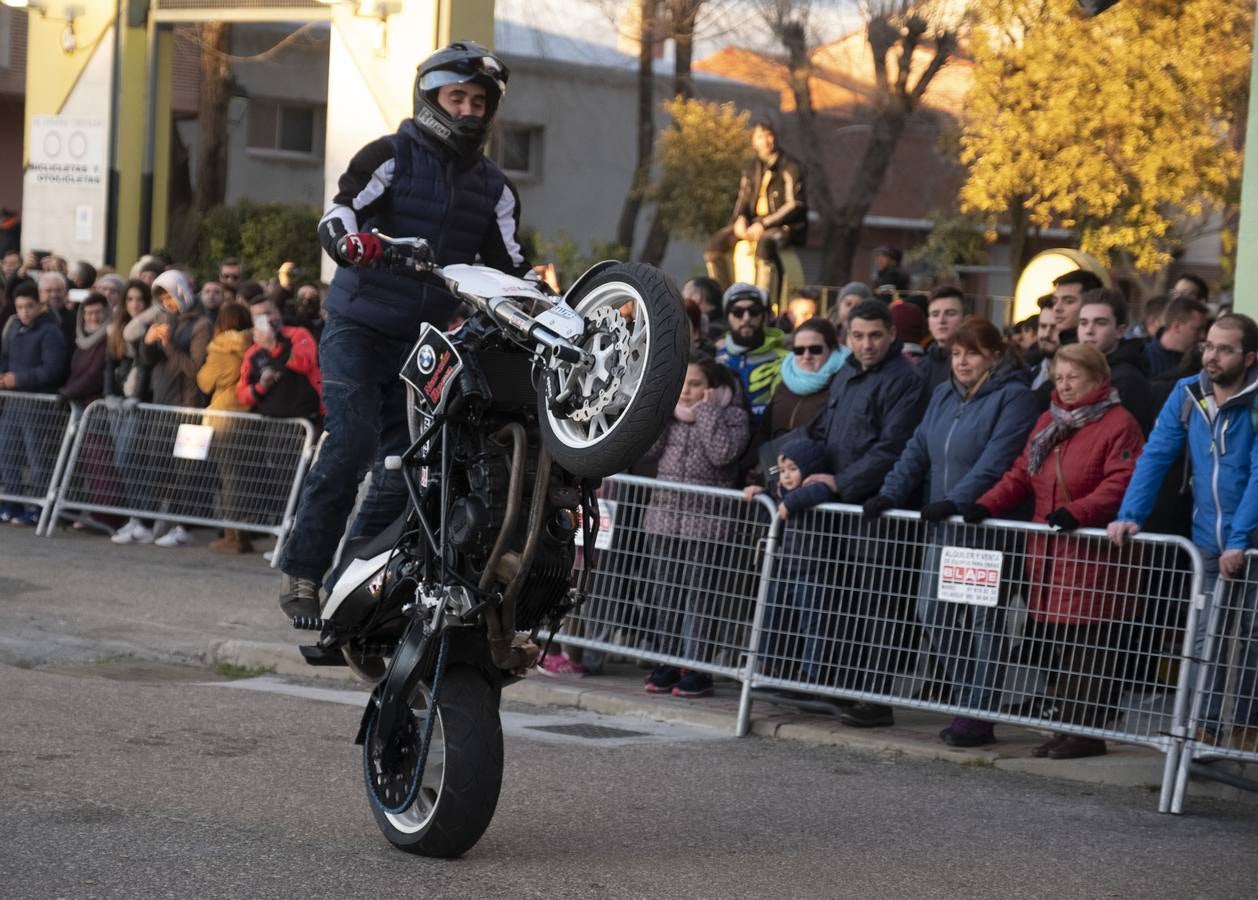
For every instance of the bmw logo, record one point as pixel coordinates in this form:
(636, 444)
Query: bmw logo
(427, 359)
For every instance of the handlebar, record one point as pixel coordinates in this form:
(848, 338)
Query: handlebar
(416, 254)
(405, 253)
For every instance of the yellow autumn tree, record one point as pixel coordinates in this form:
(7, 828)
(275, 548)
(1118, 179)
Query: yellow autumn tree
(1121, 127)
(701, 160)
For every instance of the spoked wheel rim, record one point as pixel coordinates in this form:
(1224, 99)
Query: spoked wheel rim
(416, 817)
(613, 350)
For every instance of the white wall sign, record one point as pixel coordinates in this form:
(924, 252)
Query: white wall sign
(68, 150)
(970, 576)
(67, 166)
(82, 223)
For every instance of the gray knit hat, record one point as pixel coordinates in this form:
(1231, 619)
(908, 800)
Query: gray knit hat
(859, 288)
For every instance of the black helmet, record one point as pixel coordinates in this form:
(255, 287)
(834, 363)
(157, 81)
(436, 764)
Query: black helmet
(463, 62)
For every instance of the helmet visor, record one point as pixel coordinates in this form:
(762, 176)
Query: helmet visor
(485, 70)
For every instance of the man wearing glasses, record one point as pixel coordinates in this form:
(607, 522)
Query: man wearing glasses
(1214, 415)
(229, 277)
(751, 349)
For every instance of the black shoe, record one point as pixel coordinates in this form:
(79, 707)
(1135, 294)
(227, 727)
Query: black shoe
(867, 715)
(968, 733)
(1048, 746)
(1074, 747)
(803, 697)
(299, 598)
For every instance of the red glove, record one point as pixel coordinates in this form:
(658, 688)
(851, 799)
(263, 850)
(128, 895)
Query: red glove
(359, 249)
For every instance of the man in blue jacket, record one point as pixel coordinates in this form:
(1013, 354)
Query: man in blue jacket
(875, 402)
(1216, 414)
(33, 361)
(431, 180)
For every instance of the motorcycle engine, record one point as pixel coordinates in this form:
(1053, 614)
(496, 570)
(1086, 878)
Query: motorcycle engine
(475, 517)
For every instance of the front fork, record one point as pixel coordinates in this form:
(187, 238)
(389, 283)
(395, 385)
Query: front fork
(390, 701)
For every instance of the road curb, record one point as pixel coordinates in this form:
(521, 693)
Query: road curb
(1125, 766)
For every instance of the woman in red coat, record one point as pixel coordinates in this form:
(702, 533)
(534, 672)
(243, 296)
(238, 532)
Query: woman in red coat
(1077, 463)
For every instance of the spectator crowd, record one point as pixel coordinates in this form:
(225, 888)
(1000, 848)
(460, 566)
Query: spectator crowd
(1082, 417)
(155, 336)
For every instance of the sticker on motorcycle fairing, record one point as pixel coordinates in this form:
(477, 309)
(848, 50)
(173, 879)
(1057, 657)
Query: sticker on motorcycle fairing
(431, 369)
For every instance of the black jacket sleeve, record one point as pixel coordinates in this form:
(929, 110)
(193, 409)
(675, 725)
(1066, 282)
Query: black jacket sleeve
(359, 192)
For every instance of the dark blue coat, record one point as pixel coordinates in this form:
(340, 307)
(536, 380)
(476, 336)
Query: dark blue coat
(963, 446)
(35, 353)
(869, 416)
(453, 205)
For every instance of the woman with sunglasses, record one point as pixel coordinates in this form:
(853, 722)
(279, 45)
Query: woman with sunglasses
(814, 359)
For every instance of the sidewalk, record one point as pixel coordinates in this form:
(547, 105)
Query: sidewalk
(915, 735)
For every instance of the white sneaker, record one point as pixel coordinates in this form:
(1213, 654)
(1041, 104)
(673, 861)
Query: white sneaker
(141, 535)
(176, 537)
(133, 533)
(123, 534)
(269, 555)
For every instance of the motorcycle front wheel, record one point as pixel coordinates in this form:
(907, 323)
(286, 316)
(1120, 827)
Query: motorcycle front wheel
(458, 793)
(640, 340)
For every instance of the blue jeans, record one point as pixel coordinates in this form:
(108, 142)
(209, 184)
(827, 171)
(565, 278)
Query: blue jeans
(968, 640)
(129, 459)
(23, 442)
(1237, 614)
(366, 422)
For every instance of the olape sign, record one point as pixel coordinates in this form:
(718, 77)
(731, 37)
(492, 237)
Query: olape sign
(969, 576)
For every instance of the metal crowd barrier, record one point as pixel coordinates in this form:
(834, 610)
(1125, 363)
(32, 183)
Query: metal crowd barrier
(1006, 622)
(193, 466)
(1223, 720)
(680, 577)
(35, 435)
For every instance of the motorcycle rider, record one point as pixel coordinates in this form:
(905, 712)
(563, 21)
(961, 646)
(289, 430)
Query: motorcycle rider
(431, 180)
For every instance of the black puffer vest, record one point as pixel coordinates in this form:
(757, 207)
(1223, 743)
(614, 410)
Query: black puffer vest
(449, 203)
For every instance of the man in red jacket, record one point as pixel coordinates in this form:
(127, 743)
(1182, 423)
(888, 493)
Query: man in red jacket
(280, 374)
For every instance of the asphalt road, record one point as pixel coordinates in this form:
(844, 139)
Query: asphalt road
(142, 779)
(129, 780)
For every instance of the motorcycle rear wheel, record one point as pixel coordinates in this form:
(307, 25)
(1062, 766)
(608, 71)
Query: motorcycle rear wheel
(653, 356)
(463, 775)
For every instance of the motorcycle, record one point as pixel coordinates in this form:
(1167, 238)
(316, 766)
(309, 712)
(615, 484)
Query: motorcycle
(514, 415)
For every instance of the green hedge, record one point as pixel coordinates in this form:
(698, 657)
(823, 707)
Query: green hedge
(261, 235)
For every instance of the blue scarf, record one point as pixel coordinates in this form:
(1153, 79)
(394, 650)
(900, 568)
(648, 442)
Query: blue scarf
(805, 383)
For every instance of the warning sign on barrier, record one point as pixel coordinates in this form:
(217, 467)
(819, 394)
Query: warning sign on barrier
(193, 442)
(607, 521)
(970, 576)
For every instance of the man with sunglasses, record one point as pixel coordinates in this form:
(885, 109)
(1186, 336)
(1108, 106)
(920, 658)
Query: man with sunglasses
(431, 180)
(751, 349)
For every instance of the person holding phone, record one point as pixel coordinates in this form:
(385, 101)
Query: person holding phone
(280, 374)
